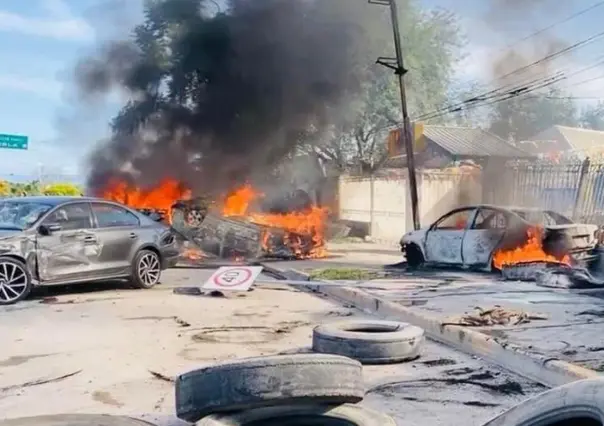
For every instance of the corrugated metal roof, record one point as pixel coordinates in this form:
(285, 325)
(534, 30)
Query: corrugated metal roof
(471, 142)
(582, 139)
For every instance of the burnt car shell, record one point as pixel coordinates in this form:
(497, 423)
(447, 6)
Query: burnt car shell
(83, 255)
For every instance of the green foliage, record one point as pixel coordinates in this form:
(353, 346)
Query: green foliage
(521, 118)
(432, 43)
(592, 117)
(14, 189)
(67, 189)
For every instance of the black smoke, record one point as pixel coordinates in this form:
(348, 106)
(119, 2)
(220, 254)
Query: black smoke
(217, 99)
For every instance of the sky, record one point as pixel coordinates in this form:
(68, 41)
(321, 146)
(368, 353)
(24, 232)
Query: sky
(41, 40)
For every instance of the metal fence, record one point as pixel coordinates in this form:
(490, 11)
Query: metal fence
(573, 187)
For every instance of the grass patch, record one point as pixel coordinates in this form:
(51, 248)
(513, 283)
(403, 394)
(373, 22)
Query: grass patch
(342, 274)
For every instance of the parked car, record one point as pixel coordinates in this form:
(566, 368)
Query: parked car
(470, 236)
(48, 241)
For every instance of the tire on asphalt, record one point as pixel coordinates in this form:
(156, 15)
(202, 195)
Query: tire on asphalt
(151, 279)
(351, 415)
(369, 341)
(578, 403)
(15, 277)
(74, 420)
(268, 381)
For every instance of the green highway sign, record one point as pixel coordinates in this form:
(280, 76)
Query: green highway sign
(13, 141)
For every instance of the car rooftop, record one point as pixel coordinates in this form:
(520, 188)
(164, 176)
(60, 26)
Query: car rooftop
(53, 200)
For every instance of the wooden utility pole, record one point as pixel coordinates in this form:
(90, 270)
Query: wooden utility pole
(397, 65)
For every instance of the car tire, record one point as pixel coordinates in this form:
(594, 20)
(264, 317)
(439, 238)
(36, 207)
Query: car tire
(268, 381)
(577, 403)
(369, 341)
(414, 256)
(149, 261)
(15, 281)
(74, 420)
(353, 415)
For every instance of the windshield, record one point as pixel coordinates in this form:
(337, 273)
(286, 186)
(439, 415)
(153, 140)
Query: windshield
(19, 215)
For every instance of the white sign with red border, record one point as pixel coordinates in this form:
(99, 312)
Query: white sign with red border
(233, 278)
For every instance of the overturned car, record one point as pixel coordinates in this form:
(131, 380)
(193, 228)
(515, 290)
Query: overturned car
(487, 237)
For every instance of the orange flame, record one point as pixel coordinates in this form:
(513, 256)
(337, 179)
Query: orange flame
(161, 197)
(298, 225)
(530, 251)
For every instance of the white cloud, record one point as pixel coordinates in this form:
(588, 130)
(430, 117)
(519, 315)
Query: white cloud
(47, 88)
(59, 23)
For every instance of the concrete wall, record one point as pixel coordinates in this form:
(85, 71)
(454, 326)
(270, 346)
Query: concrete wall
(384, 204)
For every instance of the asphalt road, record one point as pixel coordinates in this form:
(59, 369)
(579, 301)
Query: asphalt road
(91, 348)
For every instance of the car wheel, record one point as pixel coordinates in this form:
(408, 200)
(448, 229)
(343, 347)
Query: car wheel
(146, 269)
(195, 218)
(15, 281)
(414, 256)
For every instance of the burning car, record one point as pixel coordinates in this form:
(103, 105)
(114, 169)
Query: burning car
(492, 237)
(244, 224)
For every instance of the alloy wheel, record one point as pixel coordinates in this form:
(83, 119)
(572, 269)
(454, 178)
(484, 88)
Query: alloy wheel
(194, 218)
(149, 269)
(13, 282)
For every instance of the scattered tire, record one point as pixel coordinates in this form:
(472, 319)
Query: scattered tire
(15, 281)
(146, 269)
(268, 381)
(346, 414)
(578, 403)
(74, 420)
(369, 341)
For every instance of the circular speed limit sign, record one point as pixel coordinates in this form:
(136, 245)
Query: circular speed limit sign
(233, 277)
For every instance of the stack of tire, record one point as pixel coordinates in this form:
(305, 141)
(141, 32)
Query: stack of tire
(316, 388)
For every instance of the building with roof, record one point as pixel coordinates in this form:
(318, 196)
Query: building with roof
(560, 139)
(440, 146)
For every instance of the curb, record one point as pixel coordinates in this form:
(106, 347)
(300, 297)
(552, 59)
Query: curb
(548, 371)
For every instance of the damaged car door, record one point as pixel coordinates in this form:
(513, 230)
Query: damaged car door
(119, 236)
(66, 244)
(444, 238)
(483, 236)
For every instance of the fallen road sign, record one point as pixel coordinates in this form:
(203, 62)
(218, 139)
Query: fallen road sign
(233, 278)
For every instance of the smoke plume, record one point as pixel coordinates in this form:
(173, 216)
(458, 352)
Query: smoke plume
(217, 98)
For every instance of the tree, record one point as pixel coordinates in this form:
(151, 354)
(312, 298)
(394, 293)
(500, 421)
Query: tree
(592, 117)
(66, 189)
(522, 117)
(432, 45)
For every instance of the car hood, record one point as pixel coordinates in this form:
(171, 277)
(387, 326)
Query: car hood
(416, 237)
(8, 233)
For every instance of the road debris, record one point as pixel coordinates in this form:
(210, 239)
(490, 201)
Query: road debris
(496, 316)
(162, 377)
(38, 382)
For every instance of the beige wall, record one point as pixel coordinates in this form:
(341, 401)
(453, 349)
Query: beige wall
(384, 202)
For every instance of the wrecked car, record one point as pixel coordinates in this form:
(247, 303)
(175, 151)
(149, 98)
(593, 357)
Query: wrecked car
(48, 241)
(490, 237)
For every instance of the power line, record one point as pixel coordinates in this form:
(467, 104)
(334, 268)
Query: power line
(555, 24)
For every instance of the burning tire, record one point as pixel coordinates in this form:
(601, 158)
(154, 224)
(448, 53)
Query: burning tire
(578, 403)
(352, 415)
(269, 381)
(146, 269)
(369, 342)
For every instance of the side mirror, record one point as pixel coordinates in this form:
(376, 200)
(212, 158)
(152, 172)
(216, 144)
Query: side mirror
(49, 229)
